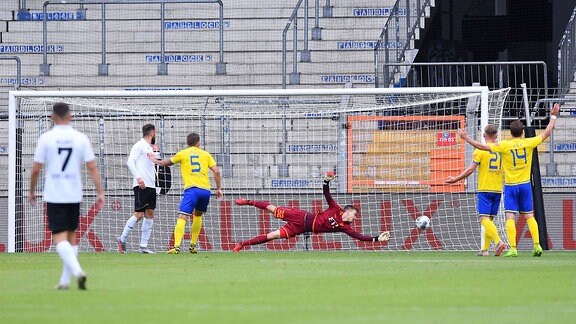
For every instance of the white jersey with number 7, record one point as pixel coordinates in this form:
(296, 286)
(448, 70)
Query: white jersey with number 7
(63, 150)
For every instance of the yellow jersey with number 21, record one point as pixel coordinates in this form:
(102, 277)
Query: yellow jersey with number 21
(489, 170)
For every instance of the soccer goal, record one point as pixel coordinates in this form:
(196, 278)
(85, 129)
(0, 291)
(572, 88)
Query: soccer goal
(392, 150)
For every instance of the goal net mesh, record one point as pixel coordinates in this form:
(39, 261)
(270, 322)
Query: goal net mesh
(392, 153)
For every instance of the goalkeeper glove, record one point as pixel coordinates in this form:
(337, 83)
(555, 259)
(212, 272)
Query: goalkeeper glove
(383, 237)
(329, 177)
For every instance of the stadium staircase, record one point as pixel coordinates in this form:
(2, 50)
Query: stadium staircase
(564, 140)
(252, 51)
(252, 46)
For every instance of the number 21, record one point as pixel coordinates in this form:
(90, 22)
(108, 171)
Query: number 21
(495, 161)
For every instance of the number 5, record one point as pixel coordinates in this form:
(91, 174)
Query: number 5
(195, 164)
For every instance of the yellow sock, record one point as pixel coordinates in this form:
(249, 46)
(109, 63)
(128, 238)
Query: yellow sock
(196, 227)
(179, 231)
(511, 232)
(533, 227)
(491, 231)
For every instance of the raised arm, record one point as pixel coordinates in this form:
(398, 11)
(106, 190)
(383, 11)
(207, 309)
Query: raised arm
(326, 188)
(553, 115)
(463, 135)
(464, 174)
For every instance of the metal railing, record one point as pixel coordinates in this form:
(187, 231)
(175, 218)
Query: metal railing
(398, 33)
(567, 55)
(22, 7)
(305, 54)
(18, 69)
(494, 75)
(103, 66)
(293, 20)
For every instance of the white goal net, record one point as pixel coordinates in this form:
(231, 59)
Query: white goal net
(392, 150)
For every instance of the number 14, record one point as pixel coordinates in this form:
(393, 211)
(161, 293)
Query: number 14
(516, 155)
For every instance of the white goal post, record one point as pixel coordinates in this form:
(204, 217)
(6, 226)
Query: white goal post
(392, 149)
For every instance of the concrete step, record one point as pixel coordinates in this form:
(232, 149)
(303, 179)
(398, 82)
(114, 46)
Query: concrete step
(249, 23)
(236, 4)
(94, 14)
(563, 170)
(185, 45)
(142, 68)
(560, 158)
(5, 15)
(273, 80)
(243, 57)
(248, 37)
(8, 5)
(233, 9)
(4, 88)
(566, 122)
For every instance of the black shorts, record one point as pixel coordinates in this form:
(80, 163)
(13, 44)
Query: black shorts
(63, 217)
(144, 199)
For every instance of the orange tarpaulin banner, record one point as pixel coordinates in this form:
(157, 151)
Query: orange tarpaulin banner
(404, 153)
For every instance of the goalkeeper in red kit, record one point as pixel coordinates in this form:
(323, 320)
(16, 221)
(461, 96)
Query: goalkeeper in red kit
(333, 219)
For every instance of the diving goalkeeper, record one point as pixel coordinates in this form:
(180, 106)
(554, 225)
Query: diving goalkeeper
(333, 219)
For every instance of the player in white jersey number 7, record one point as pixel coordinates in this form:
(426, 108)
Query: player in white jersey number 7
(63, 150)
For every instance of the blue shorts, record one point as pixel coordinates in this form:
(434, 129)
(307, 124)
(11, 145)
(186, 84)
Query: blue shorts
(488, 203)
(518, 198)
(194, 199)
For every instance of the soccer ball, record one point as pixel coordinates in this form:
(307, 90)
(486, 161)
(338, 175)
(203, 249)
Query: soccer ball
(423, 222)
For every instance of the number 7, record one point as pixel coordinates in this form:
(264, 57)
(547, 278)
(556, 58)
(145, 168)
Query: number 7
(69, 152)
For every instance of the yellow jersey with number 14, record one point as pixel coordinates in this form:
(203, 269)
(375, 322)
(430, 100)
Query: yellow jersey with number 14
(516, 158)
(489, 170)
(194, 165)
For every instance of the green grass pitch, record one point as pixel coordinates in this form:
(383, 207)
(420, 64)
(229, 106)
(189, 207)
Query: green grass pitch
(293, 287)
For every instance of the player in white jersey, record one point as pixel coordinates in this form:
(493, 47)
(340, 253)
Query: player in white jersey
(63, 150)
(144, 186)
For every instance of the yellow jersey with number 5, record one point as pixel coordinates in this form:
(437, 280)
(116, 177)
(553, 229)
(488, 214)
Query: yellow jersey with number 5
(516, 158)
(194, 166)
(489, 170)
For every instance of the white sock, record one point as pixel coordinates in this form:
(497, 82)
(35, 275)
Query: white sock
(66, 272)
(482, 231)
(66, 252)
(146, 231)
(128, 228)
